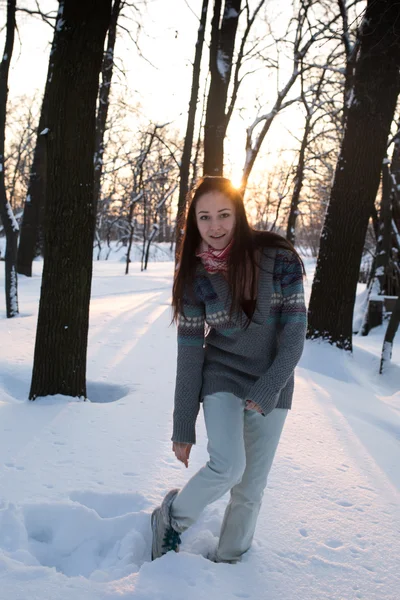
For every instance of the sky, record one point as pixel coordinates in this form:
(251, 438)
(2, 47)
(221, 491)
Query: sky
(160, 80)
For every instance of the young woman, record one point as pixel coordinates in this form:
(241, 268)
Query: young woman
(239, 303)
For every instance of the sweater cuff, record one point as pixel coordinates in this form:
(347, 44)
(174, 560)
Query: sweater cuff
(184, 432)
(266, 399)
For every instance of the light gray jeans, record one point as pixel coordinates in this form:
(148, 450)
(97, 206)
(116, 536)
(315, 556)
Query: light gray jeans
(241, 445)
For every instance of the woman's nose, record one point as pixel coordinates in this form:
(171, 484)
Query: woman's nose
(215, 226)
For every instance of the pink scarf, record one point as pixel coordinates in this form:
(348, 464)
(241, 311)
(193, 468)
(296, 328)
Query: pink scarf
(214, 260)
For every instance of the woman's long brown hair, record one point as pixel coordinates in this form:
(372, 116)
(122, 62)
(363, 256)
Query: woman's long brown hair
(242, 263)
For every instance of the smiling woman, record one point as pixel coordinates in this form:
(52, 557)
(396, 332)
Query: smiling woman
(215, 218)
(246, 286)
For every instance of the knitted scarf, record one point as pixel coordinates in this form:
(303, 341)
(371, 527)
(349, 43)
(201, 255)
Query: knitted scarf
(214, 260)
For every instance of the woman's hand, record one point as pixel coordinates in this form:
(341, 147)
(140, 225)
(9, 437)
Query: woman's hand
(250, 405)
(182, 452)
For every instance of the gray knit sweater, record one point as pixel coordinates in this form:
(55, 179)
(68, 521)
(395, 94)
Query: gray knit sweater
(255, 363)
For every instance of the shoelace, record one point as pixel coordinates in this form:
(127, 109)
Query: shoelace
(171, 540)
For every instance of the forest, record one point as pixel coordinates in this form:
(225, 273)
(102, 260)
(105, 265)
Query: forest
(332, 189)
(110, 111)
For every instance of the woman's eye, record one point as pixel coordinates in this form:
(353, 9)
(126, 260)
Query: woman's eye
(203, 217)
(225, 215)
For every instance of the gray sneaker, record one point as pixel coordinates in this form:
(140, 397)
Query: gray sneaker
(165, 538)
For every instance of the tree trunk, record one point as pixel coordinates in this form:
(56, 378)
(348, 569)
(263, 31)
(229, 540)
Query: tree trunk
(32, 221)
(351, 52)
(104, 100)
(9, 223)
(384, 245)
(376, 87)
(149, 241)
(61, 339)
(128, 252)
(294, 204)
(395, 171)
(187, 147)
(389, 336)
(221, 57)
(379, 279)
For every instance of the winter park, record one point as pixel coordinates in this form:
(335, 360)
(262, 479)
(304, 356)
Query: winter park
(200, 258)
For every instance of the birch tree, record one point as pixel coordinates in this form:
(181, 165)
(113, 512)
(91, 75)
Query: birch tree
(9, 222)
(61, 338)
(373, 101)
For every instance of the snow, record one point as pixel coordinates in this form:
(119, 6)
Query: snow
(396, 232)
(222, 64)
(14, 290)
(78, 480)
(60, 24)
(386, 351)
(231, 13)
(12, 219)
(350, 97)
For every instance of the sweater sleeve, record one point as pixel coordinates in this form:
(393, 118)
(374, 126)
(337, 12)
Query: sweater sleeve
(292, 328)
(189, 369)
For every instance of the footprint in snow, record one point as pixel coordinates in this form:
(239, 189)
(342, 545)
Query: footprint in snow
(344, 503)
(334, 544)
(14, 466)
(343, 468)
(303, 532)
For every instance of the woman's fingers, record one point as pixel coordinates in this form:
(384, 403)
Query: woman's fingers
(250, 405)
(182, 452)
(188, 449)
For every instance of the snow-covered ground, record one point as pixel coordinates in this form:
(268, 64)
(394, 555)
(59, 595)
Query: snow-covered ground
(78, 480)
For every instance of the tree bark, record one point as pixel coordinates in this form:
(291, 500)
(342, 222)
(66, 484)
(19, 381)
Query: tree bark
(311, 109)
(187, 147)
(395, 171)
(294, 204)
(32, 221)
(104, 99)
(375, 92)
(379, 280)
(221, 57)
(384, 245)
(389, 336)
(61, 339)
(9, 223)
(351, 52)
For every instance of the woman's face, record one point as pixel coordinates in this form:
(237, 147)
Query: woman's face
(215, 218)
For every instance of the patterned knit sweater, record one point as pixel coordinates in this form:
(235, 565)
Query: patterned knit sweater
(255, 363)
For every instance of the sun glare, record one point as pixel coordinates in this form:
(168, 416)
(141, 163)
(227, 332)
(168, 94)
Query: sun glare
(236, 181)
